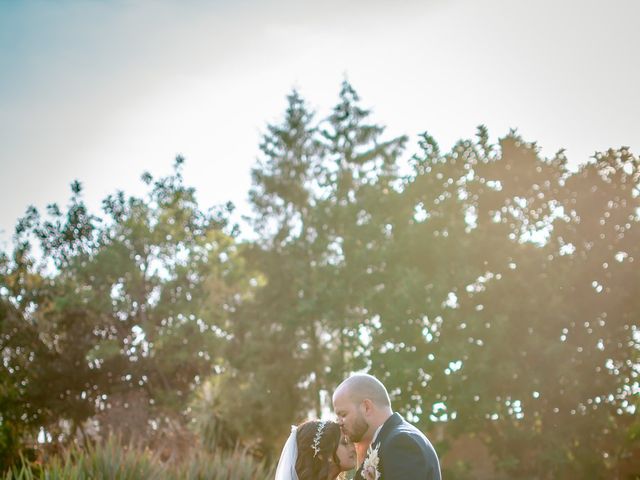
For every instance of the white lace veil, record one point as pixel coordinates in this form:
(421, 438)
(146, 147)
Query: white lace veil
(287, 464)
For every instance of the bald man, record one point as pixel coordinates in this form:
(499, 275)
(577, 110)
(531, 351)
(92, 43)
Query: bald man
(364, 412)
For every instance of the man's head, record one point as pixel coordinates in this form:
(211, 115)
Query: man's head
(361, 404)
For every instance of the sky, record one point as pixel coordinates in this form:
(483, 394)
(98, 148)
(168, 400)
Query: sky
(102, 91)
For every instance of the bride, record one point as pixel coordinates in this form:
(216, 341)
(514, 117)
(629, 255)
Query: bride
(315, 450)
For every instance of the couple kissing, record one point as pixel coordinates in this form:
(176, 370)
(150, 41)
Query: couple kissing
(389, 447)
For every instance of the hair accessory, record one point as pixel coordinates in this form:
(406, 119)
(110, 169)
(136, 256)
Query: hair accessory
(316, 440)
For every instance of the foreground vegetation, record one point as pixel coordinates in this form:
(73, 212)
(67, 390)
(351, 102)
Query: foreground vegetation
(111, 461)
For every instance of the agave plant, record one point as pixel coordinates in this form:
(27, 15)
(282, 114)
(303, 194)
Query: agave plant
(223, 465)
(111, 461)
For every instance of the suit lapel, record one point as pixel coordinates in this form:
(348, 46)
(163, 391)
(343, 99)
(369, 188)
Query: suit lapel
(391, 422)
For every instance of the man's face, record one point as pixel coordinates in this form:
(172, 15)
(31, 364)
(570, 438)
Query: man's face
(350, 417)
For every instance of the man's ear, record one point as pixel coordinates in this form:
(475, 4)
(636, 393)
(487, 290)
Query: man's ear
(368, 406)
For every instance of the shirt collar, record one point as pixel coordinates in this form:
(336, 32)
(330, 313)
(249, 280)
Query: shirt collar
(375, 435)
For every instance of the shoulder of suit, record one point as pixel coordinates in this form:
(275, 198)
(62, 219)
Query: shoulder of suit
(405, 431)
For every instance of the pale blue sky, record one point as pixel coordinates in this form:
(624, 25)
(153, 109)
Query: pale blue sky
(103, 90)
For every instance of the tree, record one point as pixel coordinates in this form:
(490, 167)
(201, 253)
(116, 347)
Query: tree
(490, 261)
(310, 187)
(134, 305)
(275, 347)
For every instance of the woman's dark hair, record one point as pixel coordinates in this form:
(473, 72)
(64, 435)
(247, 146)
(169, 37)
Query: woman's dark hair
(308, 466)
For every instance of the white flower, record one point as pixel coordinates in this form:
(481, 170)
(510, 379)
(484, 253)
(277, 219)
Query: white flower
(370, 464)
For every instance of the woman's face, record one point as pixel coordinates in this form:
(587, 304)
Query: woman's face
(346, 454)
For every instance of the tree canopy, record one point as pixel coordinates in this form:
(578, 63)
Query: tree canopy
(493, 291)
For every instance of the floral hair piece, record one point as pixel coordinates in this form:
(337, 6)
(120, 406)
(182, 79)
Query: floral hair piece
(316, 440)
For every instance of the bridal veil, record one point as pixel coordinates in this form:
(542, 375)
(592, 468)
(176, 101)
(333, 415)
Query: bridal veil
(287, 464)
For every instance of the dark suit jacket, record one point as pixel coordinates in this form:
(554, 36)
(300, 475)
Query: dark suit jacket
(405, 453)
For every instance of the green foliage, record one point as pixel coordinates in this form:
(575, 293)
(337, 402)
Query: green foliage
(97, 310)
(111, 461)
(494, 292)
(309, 187)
